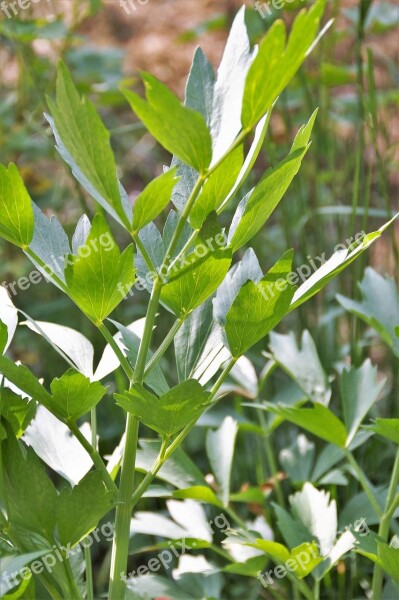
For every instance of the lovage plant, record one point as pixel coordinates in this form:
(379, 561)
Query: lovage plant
(222, 306)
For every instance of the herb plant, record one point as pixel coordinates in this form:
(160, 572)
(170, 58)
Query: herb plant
(221, 307)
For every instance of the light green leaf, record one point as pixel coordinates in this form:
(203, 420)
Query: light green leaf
(276, 63)
(302, 364)
(220, 450)
(180, 130)
(83, 142)
(379, 307)
(388, 428)
(88, 502)
(200, 493)
(259, 307)
(74, 396)
(319, 420)
(16, 212)
(217, 187)
(191, 284)
(254, 210)
(99, 277)
(171, 412)
(153, 199)
(334, 265)
(359, 391)
(302, 559)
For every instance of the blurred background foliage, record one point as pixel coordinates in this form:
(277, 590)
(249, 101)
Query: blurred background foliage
(348, 181)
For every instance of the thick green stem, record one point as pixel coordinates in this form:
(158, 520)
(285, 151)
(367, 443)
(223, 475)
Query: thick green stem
(120, 547)
(391, 504)
(89, 574)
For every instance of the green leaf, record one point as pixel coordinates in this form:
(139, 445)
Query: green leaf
(200, 493)
(302, 363)
(153, 199)
(83, 142)
(99, 277)
(319, 420)
(387, 558)
(74, 396)
(217, 187)
(281, 555)
(388, 428)
(200, 86)
(31, 495)
(171, 412)
(220, 450)
(359, 391)
(379, 307)
(180, 130)
(131, 341)
(8, 318)
(16, 212)
(50, 243)
(334, 265)
(257, 206)
(88, 502)
(276, 63)
(24, 380)
(16, 410)
(193, 282)
(247, 269)
(191, 338)
(259, 307)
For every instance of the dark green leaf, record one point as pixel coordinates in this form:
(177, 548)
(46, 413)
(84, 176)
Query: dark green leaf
(74, 396)
(171, 412)
(259, 307)
(16, 410)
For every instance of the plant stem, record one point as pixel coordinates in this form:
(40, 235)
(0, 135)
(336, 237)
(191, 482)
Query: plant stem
(391, 504)
(120, 547)
(89, 574)
(165, 453)
(156, 357)
(95, 457)
(76, 595)
(271, 459)
(364, 483)
(121, 357)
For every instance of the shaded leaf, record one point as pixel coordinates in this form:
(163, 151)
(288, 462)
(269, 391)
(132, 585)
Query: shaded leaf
(220, 450)
(74, 396)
